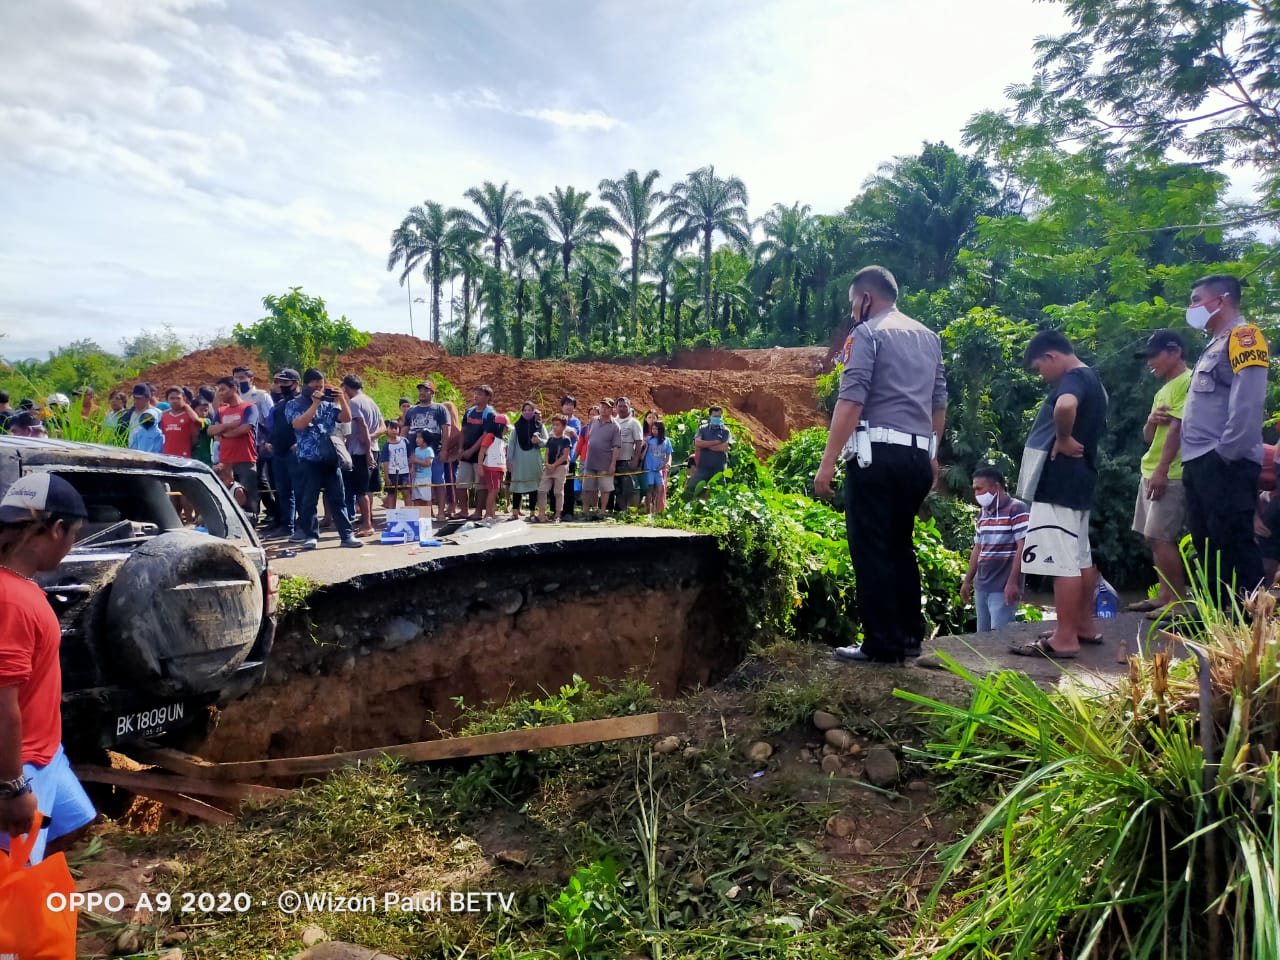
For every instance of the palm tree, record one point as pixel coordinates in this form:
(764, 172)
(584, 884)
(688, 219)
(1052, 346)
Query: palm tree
(700, 206)
(571, 223)
(636, 212)
(426, 237)
(406, 249)
(471, 267)
(500, 210)
(783, 259)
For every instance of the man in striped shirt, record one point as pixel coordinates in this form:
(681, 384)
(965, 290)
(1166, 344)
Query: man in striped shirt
(994, 577)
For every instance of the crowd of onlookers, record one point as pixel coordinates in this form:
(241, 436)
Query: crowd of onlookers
(284, 451)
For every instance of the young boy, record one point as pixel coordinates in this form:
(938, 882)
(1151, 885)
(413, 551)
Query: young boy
(394, 460)
(234, 487)
(555, 472)
(995, 563)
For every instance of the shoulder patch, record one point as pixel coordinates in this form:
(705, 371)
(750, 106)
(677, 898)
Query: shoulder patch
(1247, 347)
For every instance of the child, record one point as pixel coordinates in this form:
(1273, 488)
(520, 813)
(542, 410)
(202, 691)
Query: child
(423, 456)
(236, 489)
(995, 563)
(394, 460)
(556, 471)
(493, 457)
(657, 459)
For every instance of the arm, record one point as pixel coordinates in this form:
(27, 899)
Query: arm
(16, 813)
(1013, 586)
(1244, 413)
(1159, 481)
(966, 585)
(1064, 421)
(344, 409)
(303, 420)
(844, 419)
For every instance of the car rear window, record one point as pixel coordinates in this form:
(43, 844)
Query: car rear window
(124, 505)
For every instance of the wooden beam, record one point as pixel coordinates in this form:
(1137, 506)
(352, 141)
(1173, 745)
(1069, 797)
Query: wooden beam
(140, 781)
(450, 748)
(186, 764)
(190, 806)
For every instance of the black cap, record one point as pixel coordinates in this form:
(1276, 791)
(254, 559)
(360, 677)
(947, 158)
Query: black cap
(1158, 342)
(141, 390)
(288, 373)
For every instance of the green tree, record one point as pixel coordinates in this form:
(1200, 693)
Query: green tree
(637, 212)
(499, 210)
(1202, 76)
(296, 330)
(702, 205)
(427, 239)
(782, 261)
(571, 222)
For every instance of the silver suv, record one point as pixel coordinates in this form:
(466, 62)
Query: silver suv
(166, 601)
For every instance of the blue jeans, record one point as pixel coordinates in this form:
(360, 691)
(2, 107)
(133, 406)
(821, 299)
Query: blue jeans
(283, 468)
(312, 479)
(993, 612)
(60, 797)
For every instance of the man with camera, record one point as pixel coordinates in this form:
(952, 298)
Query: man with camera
(315, 416)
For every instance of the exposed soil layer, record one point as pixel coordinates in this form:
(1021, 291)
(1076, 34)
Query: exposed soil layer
(769, 391)
(380, 659)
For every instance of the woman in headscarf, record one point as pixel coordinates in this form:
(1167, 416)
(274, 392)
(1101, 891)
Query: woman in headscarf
(524, 457)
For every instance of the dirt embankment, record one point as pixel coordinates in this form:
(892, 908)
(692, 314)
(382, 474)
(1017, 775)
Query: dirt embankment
(769, 391)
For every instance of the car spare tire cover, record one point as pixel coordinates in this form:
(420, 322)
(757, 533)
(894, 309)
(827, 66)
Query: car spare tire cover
(184, 613)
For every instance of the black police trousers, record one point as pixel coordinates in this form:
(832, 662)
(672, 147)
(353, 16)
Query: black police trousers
(881, 502)
(1220, 503)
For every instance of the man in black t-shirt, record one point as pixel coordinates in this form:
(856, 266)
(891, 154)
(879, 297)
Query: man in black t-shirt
(1059, 475)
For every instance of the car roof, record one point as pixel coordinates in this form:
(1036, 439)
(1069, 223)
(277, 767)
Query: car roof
(48, 451)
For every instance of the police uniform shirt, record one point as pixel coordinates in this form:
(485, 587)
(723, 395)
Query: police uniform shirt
(1224, 408)
(894, 370)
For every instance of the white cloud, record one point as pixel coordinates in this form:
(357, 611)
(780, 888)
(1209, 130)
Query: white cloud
(328, 59)
(483, 98)
(574, 120)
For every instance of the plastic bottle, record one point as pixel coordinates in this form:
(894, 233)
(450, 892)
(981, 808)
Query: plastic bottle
(1106, 602)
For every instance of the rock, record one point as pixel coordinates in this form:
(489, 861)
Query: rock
(167, 869)
(855, 749)
(839, 825)
(127, 941)
(804, 756)
(880, 767)
(667, 745)
(692, 752)
(514, 857)
(174, 954)
(919, 786)
(551, 587)
(825, 721)
(339, 631)
(311, 935)
(347, 666)
(759, 752)
(697, 883)
(832, 764)
(829, 751)
(175, 937)
(507, 601)
(863, 846)
(339, 950)
(840, 739)
(398, 631)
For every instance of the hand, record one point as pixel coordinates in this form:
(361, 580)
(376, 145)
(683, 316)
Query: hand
(1069, 447)
(966, 591)
(1160, 417)
(936, 472)
(1012, 593)
(823, 480)
(1157, 485)
(17, 814)
(266, 448)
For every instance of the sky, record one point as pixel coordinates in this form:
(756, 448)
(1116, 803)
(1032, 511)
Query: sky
(171, 162)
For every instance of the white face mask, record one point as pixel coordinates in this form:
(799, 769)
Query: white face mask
(986, 499)
(1198, 317)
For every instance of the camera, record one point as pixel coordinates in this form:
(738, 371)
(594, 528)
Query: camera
(330, 393)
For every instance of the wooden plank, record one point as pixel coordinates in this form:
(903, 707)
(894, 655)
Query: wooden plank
(186, 764)
(190, 806)
(452, 748)
(139, 781)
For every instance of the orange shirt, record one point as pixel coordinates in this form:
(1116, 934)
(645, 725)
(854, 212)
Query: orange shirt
(29, 642)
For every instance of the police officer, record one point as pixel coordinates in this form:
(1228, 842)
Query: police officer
(889, 415)
(1222, 435)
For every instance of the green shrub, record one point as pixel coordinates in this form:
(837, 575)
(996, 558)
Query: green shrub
(796, 463)
(744, 466)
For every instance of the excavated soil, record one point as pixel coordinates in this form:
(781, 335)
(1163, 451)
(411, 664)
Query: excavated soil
(769, 391)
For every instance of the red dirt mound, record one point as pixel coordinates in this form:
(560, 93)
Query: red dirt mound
(395, 353)
(203, 366)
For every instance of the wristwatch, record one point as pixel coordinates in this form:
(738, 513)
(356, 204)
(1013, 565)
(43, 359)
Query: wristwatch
(15, 788)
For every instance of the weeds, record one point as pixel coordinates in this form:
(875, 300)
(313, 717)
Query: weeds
(295, 593)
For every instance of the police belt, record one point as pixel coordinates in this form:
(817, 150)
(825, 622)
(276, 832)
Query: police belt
(900, 439)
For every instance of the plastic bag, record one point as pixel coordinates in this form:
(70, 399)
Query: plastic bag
(28, 927)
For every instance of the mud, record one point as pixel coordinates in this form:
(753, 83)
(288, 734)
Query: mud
(381, 659)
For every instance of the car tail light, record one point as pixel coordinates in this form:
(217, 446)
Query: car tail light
(273, 592)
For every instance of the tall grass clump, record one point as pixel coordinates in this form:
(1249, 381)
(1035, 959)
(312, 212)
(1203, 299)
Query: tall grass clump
(1131, 822)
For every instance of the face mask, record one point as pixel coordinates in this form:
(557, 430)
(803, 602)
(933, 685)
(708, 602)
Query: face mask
(717, 421)
(986, 499)
(244, 386)
(288, 391)
(527, 414)
(1198, 317)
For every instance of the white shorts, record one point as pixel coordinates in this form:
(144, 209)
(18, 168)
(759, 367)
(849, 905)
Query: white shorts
(1057, 543)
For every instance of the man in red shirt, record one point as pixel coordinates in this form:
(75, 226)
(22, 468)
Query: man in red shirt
(179, 424)
(40, 518)
(235, 428)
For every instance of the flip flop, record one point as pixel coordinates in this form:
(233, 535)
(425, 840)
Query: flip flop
(1095, 640)
(1039, 647)
(1142, 606)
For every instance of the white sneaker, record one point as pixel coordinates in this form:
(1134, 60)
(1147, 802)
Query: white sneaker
(310, 544)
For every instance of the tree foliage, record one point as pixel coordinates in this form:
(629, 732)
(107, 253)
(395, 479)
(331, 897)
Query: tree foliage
(296, 330)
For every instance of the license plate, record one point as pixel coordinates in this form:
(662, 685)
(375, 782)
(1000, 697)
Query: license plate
(151, 721)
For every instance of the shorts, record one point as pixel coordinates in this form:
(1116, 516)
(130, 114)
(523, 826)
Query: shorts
(360, 475)
(422, 493)
(398, 483)
(493, 478)
(1057, 543)
(1162, 519)
(469, 474)
(59, 797)
(594, 482)
(654, 478)
(627, 483)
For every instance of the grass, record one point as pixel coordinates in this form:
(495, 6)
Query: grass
(295, 593)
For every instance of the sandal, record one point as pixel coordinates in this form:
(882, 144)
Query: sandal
(1094, 640)
(1040, 647)
(1142, 606)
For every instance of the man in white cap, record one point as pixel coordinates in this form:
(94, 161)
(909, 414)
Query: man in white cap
(40, 519)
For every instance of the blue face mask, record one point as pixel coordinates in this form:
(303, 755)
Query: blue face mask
(717, 421)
